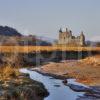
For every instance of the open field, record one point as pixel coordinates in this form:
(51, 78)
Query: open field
(27, 49)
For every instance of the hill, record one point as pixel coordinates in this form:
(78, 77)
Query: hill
(10, 36)
(8, 31)
(93, 43)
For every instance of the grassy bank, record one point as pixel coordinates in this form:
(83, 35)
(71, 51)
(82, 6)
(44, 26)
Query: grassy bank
(17, 86)
(86, 71)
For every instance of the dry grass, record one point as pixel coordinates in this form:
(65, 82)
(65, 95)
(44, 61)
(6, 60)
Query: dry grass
(8, 72)
(27, 49)
(86, 71)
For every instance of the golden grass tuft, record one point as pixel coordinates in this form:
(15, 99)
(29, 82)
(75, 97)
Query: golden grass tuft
(8, 72)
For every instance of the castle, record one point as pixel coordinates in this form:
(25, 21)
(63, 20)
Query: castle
(67, 38)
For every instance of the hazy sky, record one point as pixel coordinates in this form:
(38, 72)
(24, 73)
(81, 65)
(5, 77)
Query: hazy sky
(45, 17)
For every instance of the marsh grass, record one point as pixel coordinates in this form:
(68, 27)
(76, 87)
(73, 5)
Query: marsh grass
(8, 72)
(27, 49)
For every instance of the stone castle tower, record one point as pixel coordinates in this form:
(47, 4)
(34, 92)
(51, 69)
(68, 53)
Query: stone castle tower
(67, 38)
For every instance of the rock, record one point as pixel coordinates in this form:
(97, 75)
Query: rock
(65, 81)
(79, 88)
(95, 89)
(91, 93)
(57, 85)
(87, 98)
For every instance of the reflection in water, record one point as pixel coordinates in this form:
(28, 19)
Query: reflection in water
(57, 90)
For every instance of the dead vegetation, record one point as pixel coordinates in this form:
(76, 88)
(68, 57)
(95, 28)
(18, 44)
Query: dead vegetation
(15, 85)
(27, 49)
(86, 71)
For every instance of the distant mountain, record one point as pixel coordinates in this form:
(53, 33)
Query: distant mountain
(9, 35)
(32, 40)
(8, 31)
(92, 43)
(50, 40)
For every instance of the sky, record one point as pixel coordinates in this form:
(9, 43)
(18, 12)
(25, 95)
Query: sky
(46, 17)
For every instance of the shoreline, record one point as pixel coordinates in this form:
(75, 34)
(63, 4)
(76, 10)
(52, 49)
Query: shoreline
(22, 86)
(49, 74)
(90, 92)
(86, 71)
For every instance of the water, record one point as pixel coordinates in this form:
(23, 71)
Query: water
(57, 90)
